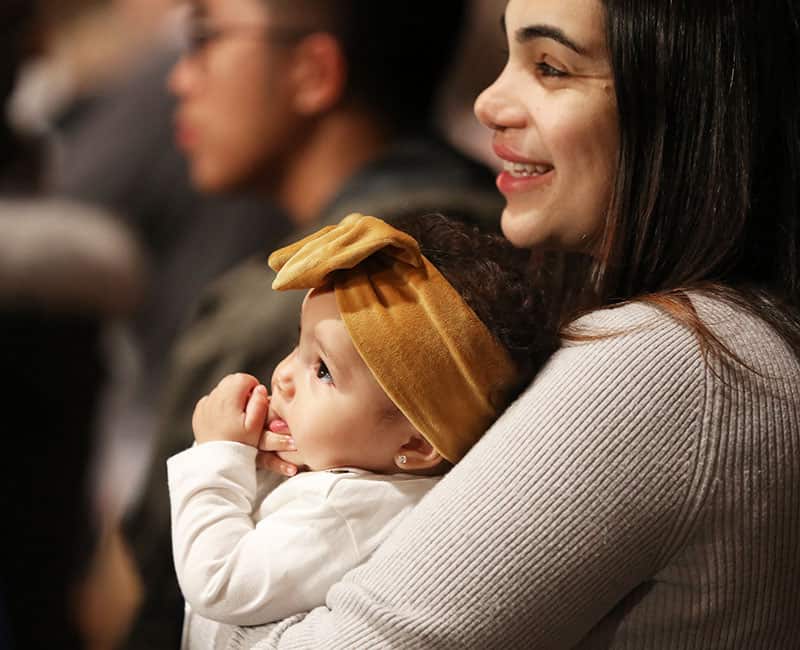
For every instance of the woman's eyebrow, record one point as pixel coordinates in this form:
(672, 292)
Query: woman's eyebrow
(531, 32)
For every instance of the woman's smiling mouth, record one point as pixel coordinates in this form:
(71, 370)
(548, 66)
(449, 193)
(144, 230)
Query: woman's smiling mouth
(520, 174)
(522, 170)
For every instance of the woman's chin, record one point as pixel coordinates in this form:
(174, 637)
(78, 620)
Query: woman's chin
(523, 228)
(537, 230)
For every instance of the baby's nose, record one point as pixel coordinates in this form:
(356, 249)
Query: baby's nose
(282, 380)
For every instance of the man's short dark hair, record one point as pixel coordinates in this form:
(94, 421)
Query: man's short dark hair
(397, 52)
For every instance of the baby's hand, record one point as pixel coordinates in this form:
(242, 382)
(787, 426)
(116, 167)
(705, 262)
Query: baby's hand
(269, 446)
(235, 410)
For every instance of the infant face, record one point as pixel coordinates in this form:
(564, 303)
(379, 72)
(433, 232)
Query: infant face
(326, 398)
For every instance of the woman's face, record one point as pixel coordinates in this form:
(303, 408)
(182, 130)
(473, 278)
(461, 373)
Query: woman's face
(554, 116)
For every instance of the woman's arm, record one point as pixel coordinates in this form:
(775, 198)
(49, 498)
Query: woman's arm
(575, 497)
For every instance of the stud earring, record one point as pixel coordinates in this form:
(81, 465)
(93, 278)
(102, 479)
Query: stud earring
(401, 460)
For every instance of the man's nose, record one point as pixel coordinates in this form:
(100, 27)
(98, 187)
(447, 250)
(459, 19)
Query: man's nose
(183, 77)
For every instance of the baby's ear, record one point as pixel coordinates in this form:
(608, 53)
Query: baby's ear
(417, 455)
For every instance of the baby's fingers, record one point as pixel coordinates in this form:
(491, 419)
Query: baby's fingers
(276, 442)
(256, 409)
(269, 460)
(235, 389)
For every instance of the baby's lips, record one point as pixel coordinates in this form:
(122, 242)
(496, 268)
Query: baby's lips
(278, 426)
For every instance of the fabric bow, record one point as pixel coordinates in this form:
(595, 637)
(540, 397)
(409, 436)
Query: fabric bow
(425, 346)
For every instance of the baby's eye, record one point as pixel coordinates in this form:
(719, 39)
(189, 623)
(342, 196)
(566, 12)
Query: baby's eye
(323, 374)
(547, 70)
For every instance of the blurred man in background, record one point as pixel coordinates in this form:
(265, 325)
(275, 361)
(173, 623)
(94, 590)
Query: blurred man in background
(97, 93)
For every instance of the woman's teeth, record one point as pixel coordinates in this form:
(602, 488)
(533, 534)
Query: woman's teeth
(525, 169)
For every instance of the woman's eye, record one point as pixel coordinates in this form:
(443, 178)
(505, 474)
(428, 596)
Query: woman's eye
(323, 374)
(547, 70)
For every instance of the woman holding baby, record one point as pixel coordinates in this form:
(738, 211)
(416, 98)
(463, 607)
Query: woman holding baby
(644, 491)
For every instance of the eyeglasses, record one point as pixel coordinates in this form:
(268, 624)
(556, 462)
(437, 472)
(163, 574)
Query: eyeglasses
(200, 33)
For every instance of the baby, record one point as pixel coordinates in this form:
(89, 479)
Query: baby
(413, 339)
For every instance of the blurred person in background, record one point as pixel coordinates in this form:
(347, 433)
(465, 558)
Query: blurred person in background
(325, 107)
(66, 271)
(98, 94)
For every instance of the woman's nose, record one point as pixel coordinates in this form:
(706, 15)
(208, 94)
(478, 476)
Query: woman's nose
(498, 109)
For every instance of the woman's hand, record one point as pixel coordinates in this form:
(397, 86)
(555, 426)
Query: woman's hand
(271, 443)
(234, 411)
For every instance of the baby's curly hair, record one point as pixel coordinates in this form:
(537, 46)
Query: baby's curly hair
(493, 279)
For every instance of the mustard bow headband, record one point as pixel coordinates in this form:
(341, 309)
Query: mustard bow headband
(427, 349)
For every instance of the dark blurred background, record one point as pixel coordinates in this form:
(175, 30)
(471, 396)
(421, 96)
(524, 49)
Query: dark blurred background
(104, 249)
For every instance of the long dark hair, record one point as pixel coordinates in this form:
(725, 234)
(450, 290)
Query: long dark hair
(707, 195)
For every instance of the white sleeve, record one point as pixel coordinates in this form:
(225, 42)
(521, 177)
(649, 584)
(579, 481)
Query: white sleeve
(235, 571)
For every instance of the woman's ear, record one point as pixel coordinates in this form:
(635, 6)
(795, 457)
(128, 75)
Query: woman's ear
(417, 455)
(319, 74)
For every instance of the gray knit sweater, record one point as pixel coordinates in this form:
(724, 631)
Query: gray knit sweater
(635, 496)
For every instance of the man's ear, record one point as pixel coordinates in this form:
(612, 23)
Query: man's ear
(417, 454)
(319, 74)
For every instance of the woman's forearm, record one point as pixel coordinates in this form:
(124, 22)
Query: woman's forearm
(567, 504)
